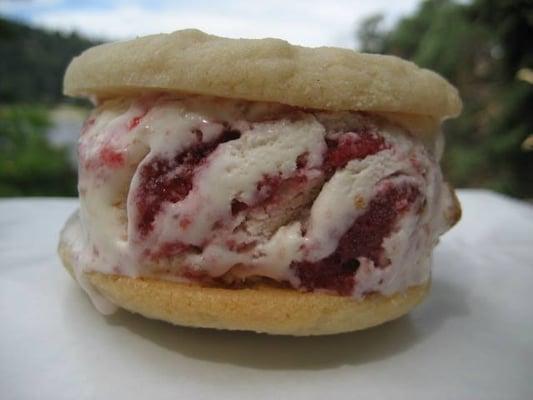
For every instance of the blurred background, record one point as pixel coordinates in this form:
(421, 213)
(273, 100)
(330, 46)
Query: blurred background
(484, 47)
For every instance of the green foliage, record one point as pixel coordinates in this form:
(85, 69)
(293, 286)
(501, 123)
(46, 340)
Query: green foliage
(34, 61)
(29, 165)
(32, 65)
(371, 34)
(479, 47)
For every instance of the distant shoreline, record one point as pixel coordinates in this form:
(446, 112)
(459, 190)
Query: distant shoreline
(67, 121)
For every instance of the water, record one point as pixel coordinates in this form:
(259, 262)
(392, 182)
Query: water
(66, 125)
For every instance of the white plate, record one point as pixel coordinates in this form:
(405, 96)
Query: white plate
(471, 339)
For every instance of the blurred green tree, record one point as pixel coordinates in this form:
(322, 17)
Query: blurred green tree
(33, 62)
(29, 165)
(480, 47)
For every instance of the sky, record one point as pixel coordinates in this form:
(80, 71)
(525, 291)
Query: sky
(308, 23)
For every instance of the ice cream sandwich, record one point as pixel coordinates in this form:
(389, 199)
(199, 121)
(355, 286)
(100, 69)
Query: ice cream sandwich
(250, 184)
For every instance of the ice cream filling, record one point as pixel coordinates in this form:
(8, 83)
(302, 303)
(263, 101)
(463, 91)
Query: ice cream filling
(362, 242)
(169, 180)
(225, 191)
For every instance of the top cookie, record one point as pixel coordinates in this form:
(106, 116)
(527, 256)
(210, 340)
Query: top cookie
(326, 78)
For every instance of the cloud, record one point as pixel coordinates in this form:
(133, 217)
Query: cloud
(310, 23)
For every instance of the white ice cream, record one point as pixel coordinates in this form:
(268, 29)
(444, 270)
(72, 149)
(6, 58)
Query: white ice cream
(121, 137)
